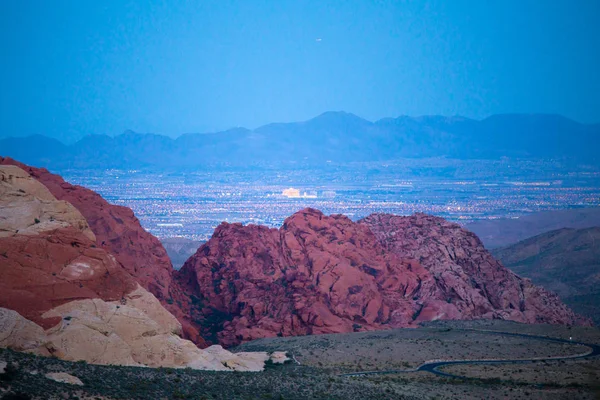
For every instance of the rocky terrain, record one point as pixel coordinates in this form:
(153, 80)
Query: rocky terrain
(328, 274)
(464, 275)
(322, 357)
(565, 261)
(83, 282)
(71, 256)
(119, 232)
(63, 295)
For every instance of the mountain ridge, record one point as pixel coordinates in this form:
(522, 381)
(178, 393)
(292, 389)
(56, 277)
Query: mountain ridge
(331, 136)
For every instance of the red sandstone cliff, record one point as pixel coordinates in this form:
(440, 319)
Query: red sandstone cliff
(464, 274)
(316, 274)
(325, 274)
(62, 295)
(120, 233)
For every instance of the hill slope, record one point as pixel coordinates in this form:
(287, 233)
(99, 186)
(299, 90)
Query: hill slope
(566, 261)
(506, 231)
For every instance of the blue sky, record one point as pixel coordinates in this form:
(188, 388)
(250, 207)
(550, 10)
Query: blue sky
(71, 68)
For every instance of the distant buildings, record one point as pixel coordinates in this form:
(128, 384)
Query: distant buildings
(292, 193)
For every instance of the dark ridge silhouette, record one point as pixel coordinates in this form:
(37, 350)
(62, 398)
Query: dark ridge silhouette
(332, 136)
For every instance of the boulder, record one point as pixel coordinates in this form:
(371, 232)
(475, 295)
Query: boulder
(63, 377)
(18, 333)
(27, 207)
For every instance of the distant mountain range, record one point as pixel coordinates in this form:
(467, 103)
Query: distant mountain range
(180, 249)
(332, 136)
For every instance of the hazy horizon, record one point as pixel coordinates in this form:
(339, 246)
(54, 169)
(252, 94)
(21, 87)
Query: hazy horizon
(7, 135)
(71, 69)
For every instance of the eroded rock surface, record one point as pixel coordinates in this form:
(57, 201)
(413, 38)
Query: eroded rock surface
(103, 332)
(113, 333)
(119, 233)
(327, 274)
(63, 295)
(317, 274)
(117, 230)
(27, 207)
(18, 333)
(464, 275)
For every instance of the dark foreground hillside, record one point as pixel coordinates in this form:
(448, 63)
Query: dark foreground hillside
(323, 357)
(115, 382)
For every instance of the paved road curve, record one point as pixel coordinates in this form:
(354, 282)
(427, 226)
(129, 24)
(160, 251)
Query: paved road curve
(432, 366)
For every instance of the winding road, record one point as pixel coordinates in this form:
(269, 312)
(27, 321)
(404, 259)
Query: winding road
(432, 366)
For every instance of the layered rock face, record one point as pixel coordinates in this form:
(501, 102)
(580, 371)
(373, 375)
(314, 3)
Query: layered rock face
(116, 228)
(63, 295)
(327, 274)
(118, 232)
(47, 252)
(464, 275)
(316, 274)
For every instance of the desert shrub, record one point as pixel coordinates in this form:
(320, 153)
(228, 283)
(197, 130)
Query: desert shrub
(16, 396)
(10, 373)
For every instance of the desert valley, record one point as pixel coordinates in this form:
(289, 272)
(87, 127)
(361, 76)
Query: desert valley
(87, 291)
(337, 200)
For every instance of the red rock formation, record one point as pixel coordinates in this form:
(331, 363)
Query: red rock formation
(319, 274)
(116, 228)
(316, 274)
(40, 272)
(465, 274)
(120, 233)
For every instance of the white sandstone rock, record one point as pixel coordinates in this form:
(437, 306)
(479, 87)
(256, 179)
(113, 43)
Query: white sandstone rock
(18, 333)
(64, 378)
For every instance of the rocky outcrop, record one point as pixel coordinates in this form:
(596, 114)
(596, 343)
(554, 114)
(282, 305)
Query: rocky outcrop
(54, 262)
(18, 333)
(28, 207)
(327, 274)
(464, 275)
(63, 295)
(103, 332)
(113, 333)
(117, 230)
(63, 377)
(316, 274)
(119, 233)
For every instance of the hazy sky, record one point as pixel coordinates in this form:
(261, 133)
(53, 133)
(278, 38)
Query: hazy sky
(71, 68)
